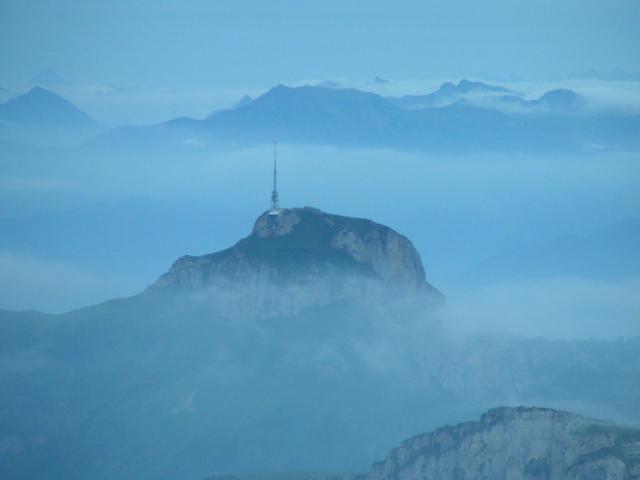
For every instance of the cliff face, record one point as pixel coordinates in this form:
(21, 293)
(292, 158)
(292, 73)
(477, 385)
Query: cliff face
(303, 257)
(518, 443)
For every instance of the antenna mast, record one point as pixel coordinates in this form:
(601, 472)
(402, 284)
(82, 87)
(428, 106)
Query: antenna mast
(274, 193)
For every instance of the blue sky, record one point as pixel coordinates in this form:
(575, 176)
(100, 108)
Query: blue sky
(190, 44)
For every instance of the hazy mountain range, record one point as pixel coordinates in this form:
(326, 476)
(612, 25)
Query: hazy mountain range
(467, 117)
(41, 107)
(348, 117)
(449, 93)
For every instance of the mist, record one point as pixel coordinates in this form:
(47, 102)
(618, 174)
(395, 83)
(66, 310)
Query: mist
(536, 254)
(461, 212)
(248, 241)
(554, 308)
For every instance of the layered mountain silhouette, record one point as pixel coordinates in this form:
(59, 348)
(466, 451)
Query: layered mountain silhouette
(467, 117)
(560, 101)
(243, 102)
(43, 107)
(42, 116)
(449, 93)
(349, 117)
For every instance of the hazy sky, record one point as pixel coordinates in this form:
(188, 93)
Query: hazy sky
(255, 43)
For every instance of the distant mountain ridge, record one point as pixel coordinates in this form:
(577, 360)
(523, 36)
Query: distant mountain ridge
(338, 115)
(42, 116)
(42, 107)
(481, 118)
(447, 94)
(472, 117)
(468, 92)
(354, 118)
(557, 101)
(243, 102)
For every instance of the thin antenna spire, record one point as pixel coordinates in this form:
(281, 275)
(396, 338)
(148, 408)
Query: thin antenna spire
(274, 193)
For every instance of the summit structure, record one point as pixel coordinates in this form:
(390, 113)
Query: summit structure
(275, 209)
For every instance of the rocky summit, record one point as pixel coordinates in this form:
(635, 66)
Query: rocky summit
(300, 258)
(518, 443)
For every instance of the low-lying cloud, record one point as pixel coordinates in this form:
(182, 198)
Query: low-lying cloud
(553, 308)
(54, 286)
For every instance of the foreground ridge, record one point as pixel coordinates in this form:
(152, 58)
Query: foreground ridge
(521, 442)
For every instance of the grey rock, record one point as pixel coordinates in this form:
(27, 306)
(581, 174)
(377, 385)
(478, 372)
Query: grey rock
(301, 258)
(518, 443)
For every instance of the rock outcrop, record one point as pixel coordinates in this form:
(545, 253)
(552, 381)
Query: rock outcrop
(303, 257)
(518, 443)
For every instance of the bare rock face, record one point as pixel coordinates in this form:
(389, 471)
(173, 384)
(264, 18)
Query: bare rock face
(303, 257)
(518, 443)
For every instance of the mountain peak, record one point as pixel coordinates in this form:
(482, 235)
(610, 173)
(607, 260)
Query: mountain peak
(561, 99)
(315, 91)
(469, 86)
(243, 102)
(41, 92)
(40, 106)
(281, 87)
(306, 114)
(449, 93)
(380, 81)
(300, 258)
